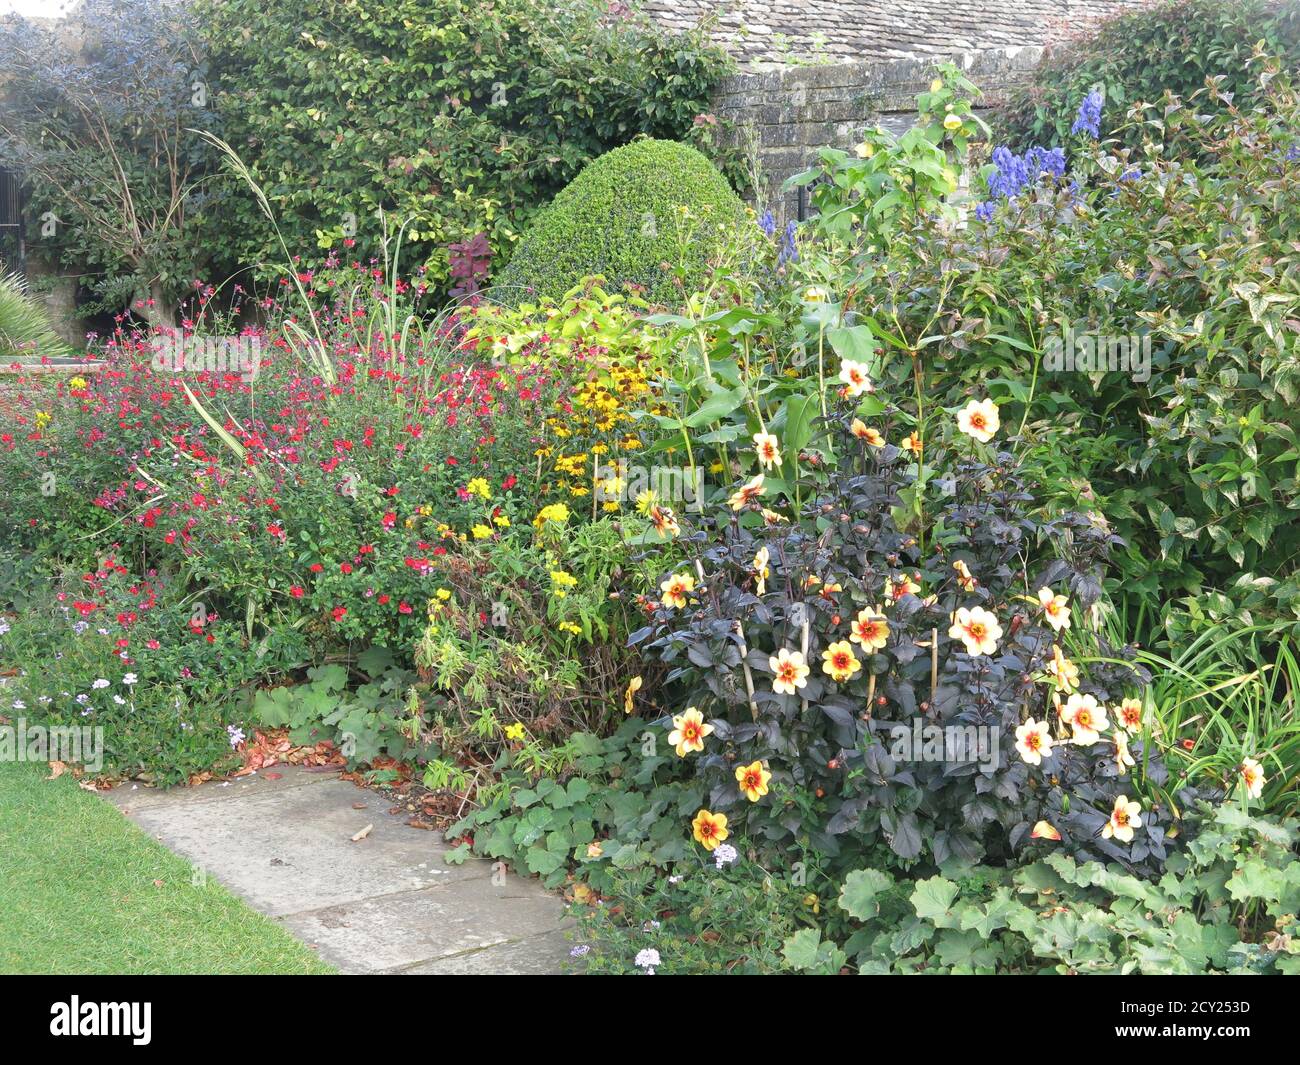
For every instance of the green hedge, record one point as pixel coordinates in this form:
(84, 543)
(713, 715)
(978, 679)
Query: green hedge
(460, 118)
(1140, 54)
(623, 217)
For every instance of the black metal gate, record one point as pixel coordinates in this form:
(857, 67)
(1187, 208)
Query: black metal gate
(12, 250)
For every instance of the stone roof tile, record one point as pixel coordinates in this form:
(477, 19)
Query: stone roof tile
(763, 33)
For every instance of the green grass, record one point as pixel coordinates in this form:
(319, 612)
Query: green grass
(85, 891)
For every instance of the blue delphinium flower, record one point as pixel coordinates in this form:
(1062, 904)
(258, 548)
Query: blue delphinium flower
(789, 253)
(985, 211)
(1014, 173)
(1293, 153)
(1046, 161)
(1089, 118)
(767, 223)
(1132, 174)
(1011, 175)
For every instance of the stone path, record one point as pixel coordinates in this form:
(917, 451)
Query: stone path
(385, 904)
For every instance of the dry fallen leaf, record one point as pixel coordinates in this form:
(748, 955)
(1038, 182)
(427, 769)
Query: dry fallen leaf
(362, 834)
(57, 769)
(358, 806)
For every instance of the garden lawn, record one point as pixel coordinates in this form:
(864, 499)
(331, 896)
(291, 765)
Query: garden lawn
(87, 892)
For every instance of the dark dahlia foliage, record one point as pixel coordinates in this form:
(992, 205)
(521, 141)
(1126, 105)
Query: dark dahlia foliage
(854, 755)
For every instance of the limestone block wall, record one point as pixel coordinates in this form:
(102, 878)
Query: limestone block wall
(783, 116)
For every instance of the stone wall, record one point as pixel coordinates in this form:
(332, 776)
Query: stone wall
(784, 116)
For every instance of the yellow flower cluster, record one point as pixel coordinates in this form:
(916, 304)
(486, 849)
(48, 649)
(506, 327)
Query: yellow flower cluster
(561, 582)
(599, 415)
(557, 513)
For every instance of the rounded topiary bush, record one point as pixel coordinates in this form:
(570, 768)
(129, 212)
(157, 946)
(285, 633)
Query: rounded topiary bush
(623, 217)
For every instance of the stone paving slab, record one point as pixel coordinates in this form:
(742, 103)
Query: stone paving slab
(398, 931)
(386, 903)
(131, 797)
(537, 956)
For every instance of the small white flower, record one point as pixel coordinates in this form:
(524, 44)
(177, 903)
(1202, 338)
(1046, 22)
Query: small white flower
(19, 705)
(100, 684)
(119, 700)
(855, 378)
(647, 959)
(129, 679)
(83, 699)
(724, 854)
(236, 735)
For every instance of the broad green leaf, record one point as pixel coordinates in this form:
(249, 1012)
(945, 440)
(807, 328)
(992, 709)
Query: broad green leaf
(859, 895)
(933, 901)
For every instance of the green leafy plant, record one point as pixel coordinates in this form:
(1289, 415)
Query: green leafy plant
(1225, 696)
(142, 660)
(700, 921)
(1140, 55)
(1183, 444)
(1226, 905)
(891, 181)
(519, 654)
(564, 331)
(24, 327)
(381, 715)
(617, 803)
